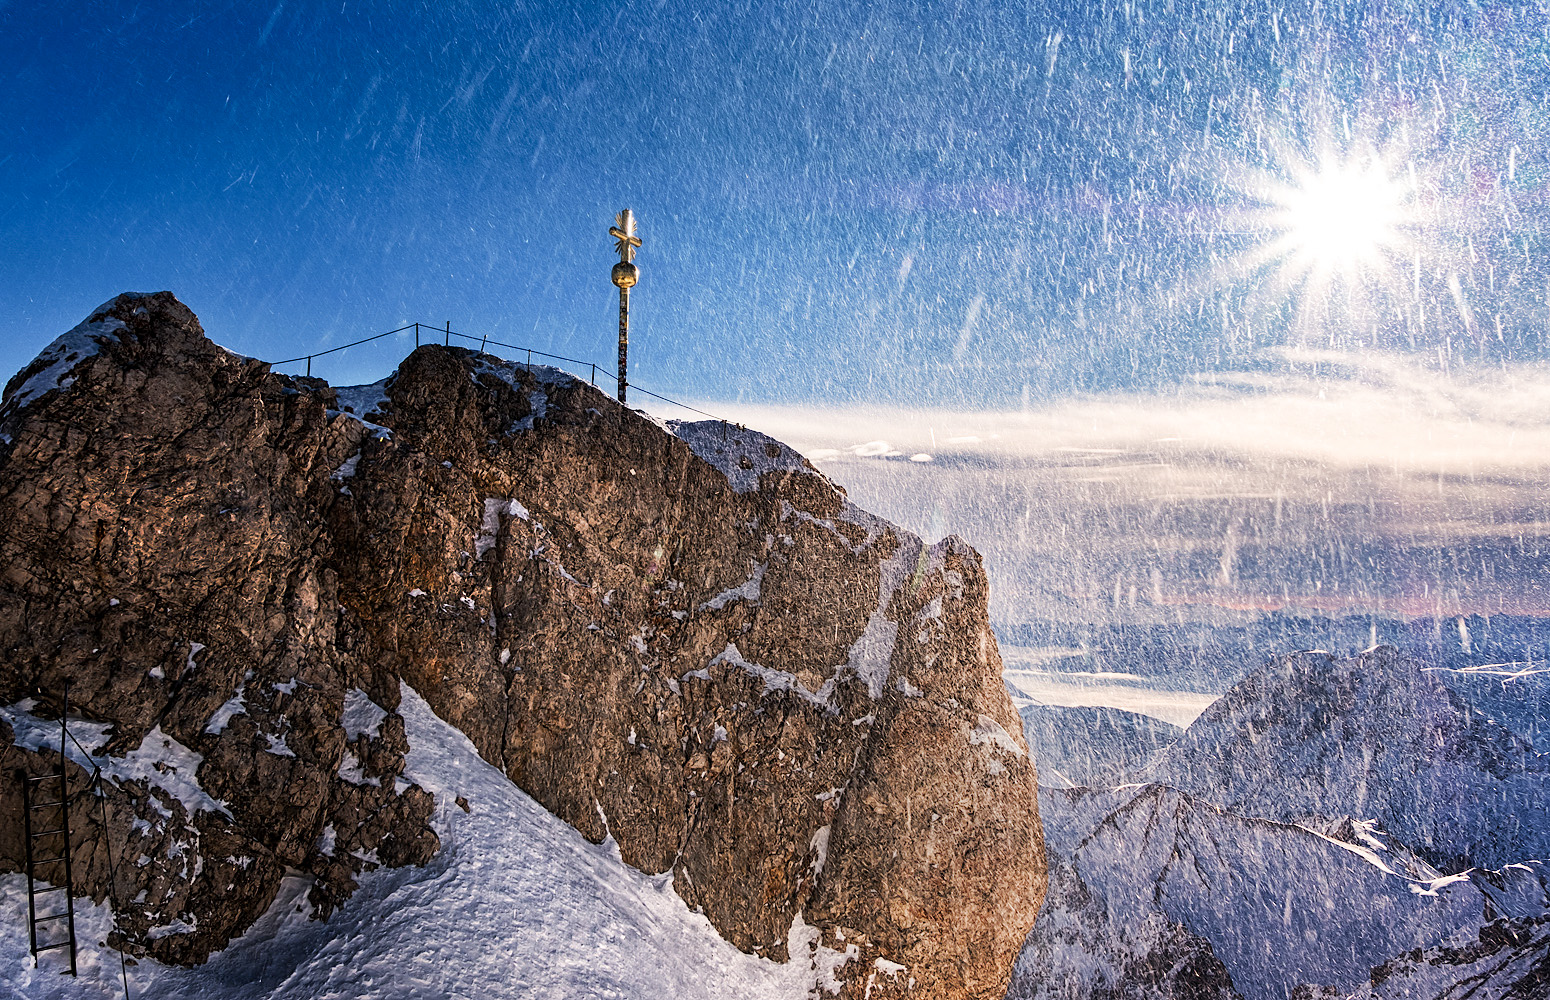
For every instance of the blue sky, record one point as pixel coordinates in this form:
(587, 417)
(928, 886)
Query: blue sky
(910, 203)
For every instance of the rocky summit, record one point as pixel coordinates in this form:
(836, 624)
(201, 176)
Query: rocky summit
(679, 636)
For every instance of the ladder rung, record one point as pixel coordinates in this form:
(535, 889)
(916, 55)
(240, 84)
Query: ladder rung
(45, 805)
(52, 888)
(51, 916)
(51, 947)
(48, 833)
(45, 777)
(47, 861)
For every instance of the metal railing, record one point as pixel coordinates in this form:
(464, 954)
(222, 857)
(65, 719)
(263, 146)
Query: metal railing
(447, 333)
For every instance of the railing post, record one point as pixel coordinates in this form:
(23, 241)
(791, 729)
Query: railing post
(309, 366)
(594, 374)
(529, 359)
(64, 820)
(417, 335)
(449, 333)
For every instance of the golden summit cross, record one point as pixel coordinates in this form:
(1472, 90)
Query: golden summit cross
(625, 275)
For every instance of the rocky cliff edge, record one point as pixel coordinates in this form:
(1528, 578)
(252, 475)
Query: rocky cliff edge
(682, 636)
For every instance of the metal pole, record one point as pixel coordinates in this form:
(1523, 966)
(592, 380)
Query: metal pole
(309, 366)
(624, 340)
(417, 335)
(449, 334)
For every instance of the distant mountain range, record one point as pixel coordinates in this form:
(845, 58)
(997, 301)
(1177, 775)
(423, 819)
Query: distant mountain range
(1329, 828)
(1215, 656)
(1092, 746)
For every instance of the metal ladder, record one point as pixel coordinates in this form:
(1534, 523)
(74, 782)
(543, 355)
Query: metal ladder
(48, 849)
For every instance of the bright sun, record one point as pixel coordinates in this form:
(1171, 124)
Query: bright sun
(1343, 221)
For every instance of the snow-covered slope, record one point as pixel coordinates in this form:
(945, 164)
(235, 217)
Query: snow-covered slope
(1509, 959)
(1374, 737)
(1165, 881)
(1314, 830)
(516, 904)
(1076, 952)
(1516, 695)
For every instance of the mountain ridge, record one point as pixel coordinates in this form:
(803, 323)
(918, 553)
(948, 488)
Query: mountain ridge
(742, 679)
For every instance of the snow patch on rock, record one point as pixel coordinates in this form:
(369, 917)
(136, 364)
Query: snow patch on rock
(495, 509)
(777, 680)
(361, 715)
(740, 454)
(748, 590)
(60, 358)
(160, 761)
(234, 706)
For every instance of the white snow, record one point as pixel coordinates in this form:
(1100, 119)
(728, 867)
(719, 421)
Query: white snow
(740, 454)
(355, 401)
(361, 715)
(506, 371)
(748, 590)
(160, 761)
(235, 705)
(360, 400)
(515, 904)
(777, 680)
(990, 733)
(277, 746)
(538, 401)
(64, 355)
(496, 508)
(820, 846)
(175, 927)
(871, 655)
(327, 839)
(347, 470)
(350, 770)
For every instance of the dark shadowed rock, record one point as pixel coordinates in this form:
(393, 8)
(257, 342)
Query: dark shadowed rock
(690, 641)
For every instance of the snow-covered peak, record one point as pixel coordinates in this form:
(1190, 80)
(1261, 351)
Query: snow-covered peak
(1373, 736)
(741, 454)
(54, 367)
(1279, 903)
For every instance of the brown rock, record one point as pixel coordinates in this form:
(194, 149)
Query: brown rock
(689, 640)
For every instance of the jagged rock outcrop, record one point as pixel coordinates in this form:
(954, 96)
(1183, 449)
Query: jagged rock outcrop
(690, 641)
(1509, 959)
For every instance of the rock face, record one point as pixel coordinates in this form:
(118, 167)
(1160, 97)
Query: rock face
(683, 637)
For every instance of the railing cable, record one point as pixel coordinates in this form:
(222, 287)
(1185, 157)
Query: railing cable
(486, 340)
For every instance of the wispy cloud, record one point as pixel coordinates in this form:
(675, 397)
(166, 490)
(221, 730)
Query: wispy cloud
(1331, 482)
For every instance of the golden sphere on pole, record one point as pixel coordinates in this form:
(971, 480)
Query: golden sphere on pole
(626, 274)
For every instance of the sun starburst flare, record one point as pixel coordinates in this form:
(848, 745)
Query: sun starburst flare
(1343, 222)
(1331, 241)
